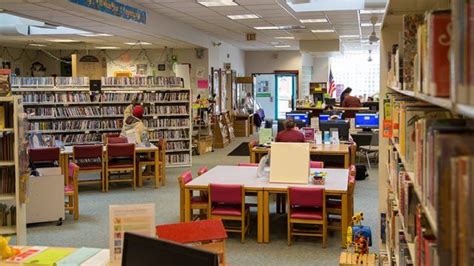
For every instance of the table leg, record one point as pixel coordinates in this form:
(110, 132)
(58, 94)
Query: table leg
(346, 160)
(64, 161)
(266, 217)
(187, 205)
(156, 171)
(252, 156)
(260, 208)
(344, 218)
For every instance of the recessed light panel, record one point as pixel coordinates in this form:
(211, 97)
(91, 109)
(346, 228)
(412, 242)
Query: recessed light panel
(106, 47)
(372, 11)
(318, 20)
(370, 24)
(245, 16)
(282, 46)
(285, 38)
(322, 31)
(214, 3)
(37, 45)
(62, 40)
(137, 43)
(349, 36)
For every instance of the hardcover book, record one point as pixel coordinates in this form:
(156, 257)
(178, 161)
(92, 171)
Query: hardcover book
(439, 28)
(410, 25)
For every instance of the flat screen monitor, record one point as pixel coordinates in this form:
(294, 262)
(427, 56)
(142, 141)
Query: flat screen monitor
(147, 251)
(325, 117)
(330, 101)
(342, 127)
(301, 116)
(367, 120)
(373, 106)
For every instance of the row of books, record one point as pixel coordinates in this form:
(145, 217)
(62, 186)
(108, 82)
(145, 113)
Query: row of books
(170, 134)
(7, 180)
(5, 81)
(49, 81)
(150, 97)
(7, 148)
(432, 147)
(63, 97)
(143, 81)
(177, 145)
(64, 125)
(167, 109)
(6, 115)
(80, 138)
(166, 122)
(178, 158)
(7, 215)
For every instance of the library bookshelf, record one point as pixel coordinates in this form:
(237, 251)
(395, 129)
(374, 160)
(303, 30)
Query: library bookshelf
(66, 109)
(425, 166)
(13, 169)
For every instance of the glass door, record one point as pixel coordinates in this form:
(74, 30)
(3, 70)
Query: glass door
(286, 92)
(265, 93)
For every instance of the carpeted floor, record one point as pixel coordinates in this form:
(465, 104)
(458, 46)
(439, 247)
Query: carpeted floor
(92, 228)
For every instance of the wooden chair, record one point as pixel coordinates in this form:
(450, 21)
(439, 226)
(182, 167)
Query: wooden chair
(146, 169)
(116, 140)
(227, 202)
(248, 164)
(197, 202)
(307, 205)
(202, 170)
(334, 204)
(252, 144)
(44, 156)
(90, 160)
(71, 191)
(316, 164)
(120, 157)
(162, 160)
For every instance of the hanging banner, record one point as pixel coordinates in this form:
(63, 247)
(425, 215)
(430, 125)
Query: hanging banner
(115, 8)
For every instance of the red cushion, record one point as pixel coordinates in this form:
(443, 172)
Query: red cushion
(121, 165)
(306, 213)
(334, 204)
(198, 200)
(69, 188)
(90, 166)
(229, 210)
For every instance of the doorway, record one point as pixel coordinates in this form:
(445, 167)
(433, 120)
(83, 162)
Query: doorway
(275, 93)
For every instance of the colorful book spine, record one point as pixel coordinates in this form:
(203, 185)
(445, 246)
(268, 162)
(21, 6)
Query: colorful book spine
(439, 44)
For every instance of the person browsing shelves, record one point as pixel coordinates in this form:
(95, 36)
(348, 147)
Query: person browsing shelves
(290, 133)
(129, 109)
(133, 125)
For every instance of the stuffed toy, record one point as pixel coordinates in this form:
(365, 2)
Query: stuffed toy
(5, 250)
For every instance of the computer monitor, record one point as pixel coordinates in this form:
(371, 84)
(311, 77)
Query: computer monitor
(373, 106)
(330, 101)
(367, 121)
(147, 251)
(301, 116)
(341, 125)
(327, 116)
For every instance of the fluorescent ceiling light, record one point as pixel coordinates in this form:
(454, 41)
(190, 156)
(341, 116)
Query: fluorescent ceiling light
(322, 31)
(318, 20)
(285, 38)
(280, 28)
(372, 11)
(370, 24)
(135, 43)
(62, 40)
(106, 47)
(282, 46)
(37, 44)
(96, 35)
(267, 28)
(349, 36)
(214, 3)
(245, 16)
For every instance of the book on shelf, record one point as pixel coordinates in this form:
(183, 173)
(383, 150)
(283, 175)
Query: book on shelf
(143, 81)
(409, 45)
(5, 81)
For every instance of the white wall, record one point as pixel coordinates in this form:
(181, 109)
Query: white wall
(226, 53)
(321, 69)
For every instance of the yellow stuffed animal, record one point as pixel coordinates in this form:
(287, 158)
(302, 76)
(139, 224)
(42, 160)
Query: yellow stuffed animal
(5, 250)
(357, 218)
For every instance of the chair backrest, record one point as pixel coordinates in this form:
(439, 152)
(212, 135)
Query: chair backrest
(87, 151)
(115, 140)
(122, 150)
(352, 170)
(184, 178)
(306, 196)
(225, 194)
(248, 164)
(202, 170)
(44, 154)
(73, 175)
(252, 144)
(316, 164)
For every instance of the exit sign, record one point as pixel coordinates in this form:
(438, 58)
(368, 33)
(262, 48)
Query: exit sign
(251, 36)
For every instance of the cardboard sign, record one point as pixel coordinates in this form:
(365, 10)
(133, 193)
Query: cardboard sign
(281, 171)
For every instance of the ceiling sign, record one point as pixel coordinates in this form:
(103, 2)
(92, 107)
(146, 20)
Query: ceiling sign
(251, 36)
(115, 8)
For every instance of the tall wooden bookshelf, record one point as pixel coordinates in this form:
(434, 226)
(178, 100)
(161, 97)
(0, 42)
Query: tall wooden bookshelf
(13, 169)
(66, 109)
(417, 230)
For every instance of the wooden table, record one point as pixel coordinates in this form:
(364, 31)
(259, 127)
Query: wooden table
(316, 149)
(209, 235)
(66, 153)
(336, 185)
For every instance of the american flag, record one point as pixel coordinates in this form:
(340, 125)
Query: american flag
(332, 85)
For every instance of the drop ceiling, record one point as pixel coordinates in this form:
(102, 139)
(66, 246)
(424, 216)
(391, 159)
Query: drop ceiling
(212, 21)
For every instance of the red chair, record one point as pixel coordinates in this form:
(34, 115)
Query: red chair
(71, 191)
(248, 164)
(316, 164)
(197, 202)
(307, 205)
(44, 156)
(120, 157)
(116, 140)
(90, 160)
(334, 205)
(202, 170)
(227, 202)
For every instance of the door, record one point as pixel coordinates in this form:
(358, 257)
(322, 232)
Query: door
(265, 93)
(285, 94)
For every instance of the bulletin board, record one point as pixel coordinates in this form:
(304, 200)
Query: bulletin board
(289, 163)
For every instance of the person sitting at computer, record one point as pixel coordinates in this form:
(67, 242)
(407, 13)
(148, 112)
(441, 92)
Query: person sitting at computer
(290, 133)
(133, 126)
(351, 101)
